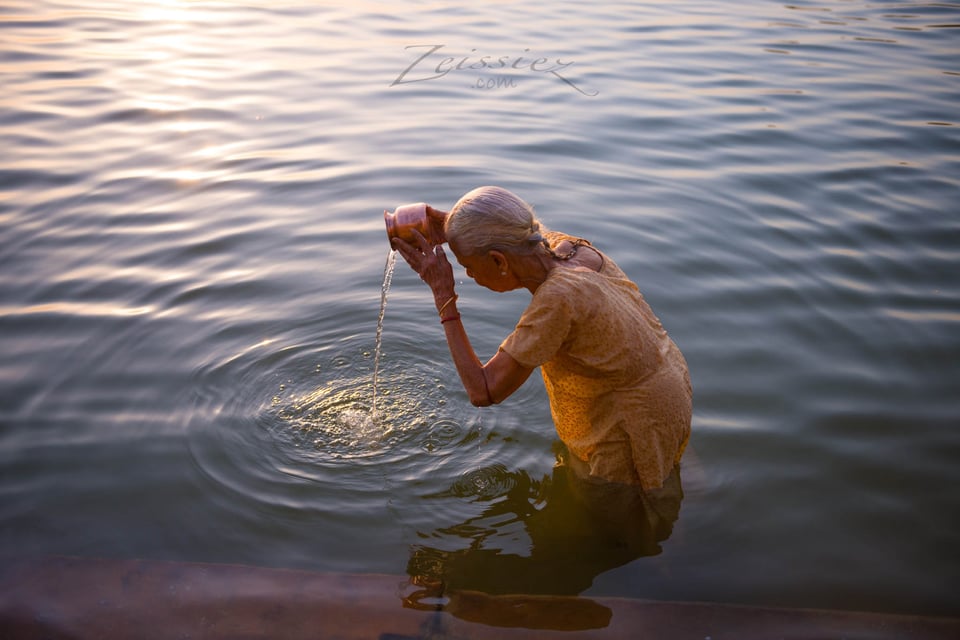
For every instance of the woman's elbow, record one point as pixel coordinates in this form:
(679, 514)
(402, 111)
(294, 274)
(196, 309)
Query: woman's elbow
(481, 396)
(481, 399)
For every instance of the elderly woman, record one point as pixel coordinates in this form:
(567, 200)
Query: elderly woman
(619, 388)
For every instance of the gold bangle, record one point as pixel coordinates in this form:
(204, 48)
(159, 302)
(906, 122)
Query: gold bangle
(446, 304)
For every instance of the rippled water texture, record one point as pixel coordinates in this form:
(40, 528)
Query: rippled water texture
(192, 255)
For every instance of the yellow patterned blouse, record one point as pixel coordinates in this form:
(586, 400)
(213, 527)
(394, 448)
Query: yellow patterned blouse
(619, 388)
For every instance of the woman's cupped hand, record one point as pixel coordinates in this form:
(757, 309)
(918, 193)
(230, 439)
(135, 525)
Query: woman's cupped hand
(431, 264)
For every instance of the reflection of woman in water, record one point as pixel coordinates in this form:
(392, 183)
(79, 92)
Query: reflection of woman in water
(619, 389)
(577, 528)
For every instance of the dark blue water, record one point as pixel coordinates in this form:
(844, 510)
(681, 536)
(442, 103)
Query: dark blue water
(192, 252)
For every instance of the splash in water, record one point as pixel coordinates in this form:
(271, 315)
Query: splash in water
(384, 289)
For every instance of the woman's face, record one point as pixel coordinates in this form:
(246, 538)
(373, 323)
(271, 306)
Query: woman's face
(482, 268)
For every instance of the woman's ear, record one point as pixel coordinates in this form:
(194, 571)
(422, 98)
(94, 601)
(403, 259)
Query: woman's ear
(500, 260)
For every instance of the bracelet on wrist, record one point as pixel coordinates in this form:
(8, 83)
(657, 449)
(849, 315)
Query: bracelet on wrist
(449, 319)
(446, 304)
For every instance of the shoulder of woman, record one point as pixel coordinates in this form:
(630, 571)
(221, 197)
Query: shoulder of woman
(570, 285)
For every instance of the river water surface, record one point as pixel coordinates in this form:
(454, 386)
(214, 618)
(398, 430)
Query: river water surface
(192, 253)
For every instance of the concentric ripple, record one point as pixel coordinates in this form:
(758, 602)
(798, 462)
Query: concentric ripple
(485, 483)
(441, 435)
(267, 418)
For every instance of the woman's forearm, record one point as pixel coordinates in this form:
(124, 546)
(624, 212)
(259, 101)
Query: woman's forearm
(485, 384)
(469, 367)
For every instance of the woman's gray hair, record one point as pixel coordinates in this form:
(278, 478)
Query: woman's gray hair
(493, 218)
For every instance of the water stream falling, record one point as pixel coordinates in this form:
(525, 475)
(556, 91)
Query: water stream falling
(384, 290)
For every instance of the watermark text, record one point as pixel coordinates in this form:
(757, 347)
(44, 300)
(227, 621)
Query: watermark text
(429, 64)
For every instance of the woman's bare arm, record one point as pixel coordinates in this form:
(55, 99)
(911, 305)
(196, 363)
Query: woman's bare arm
(489, 383)
(485, 384)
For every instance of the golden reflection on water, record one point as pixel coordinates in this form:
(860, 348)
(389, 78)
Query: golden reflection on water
(81, 309)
